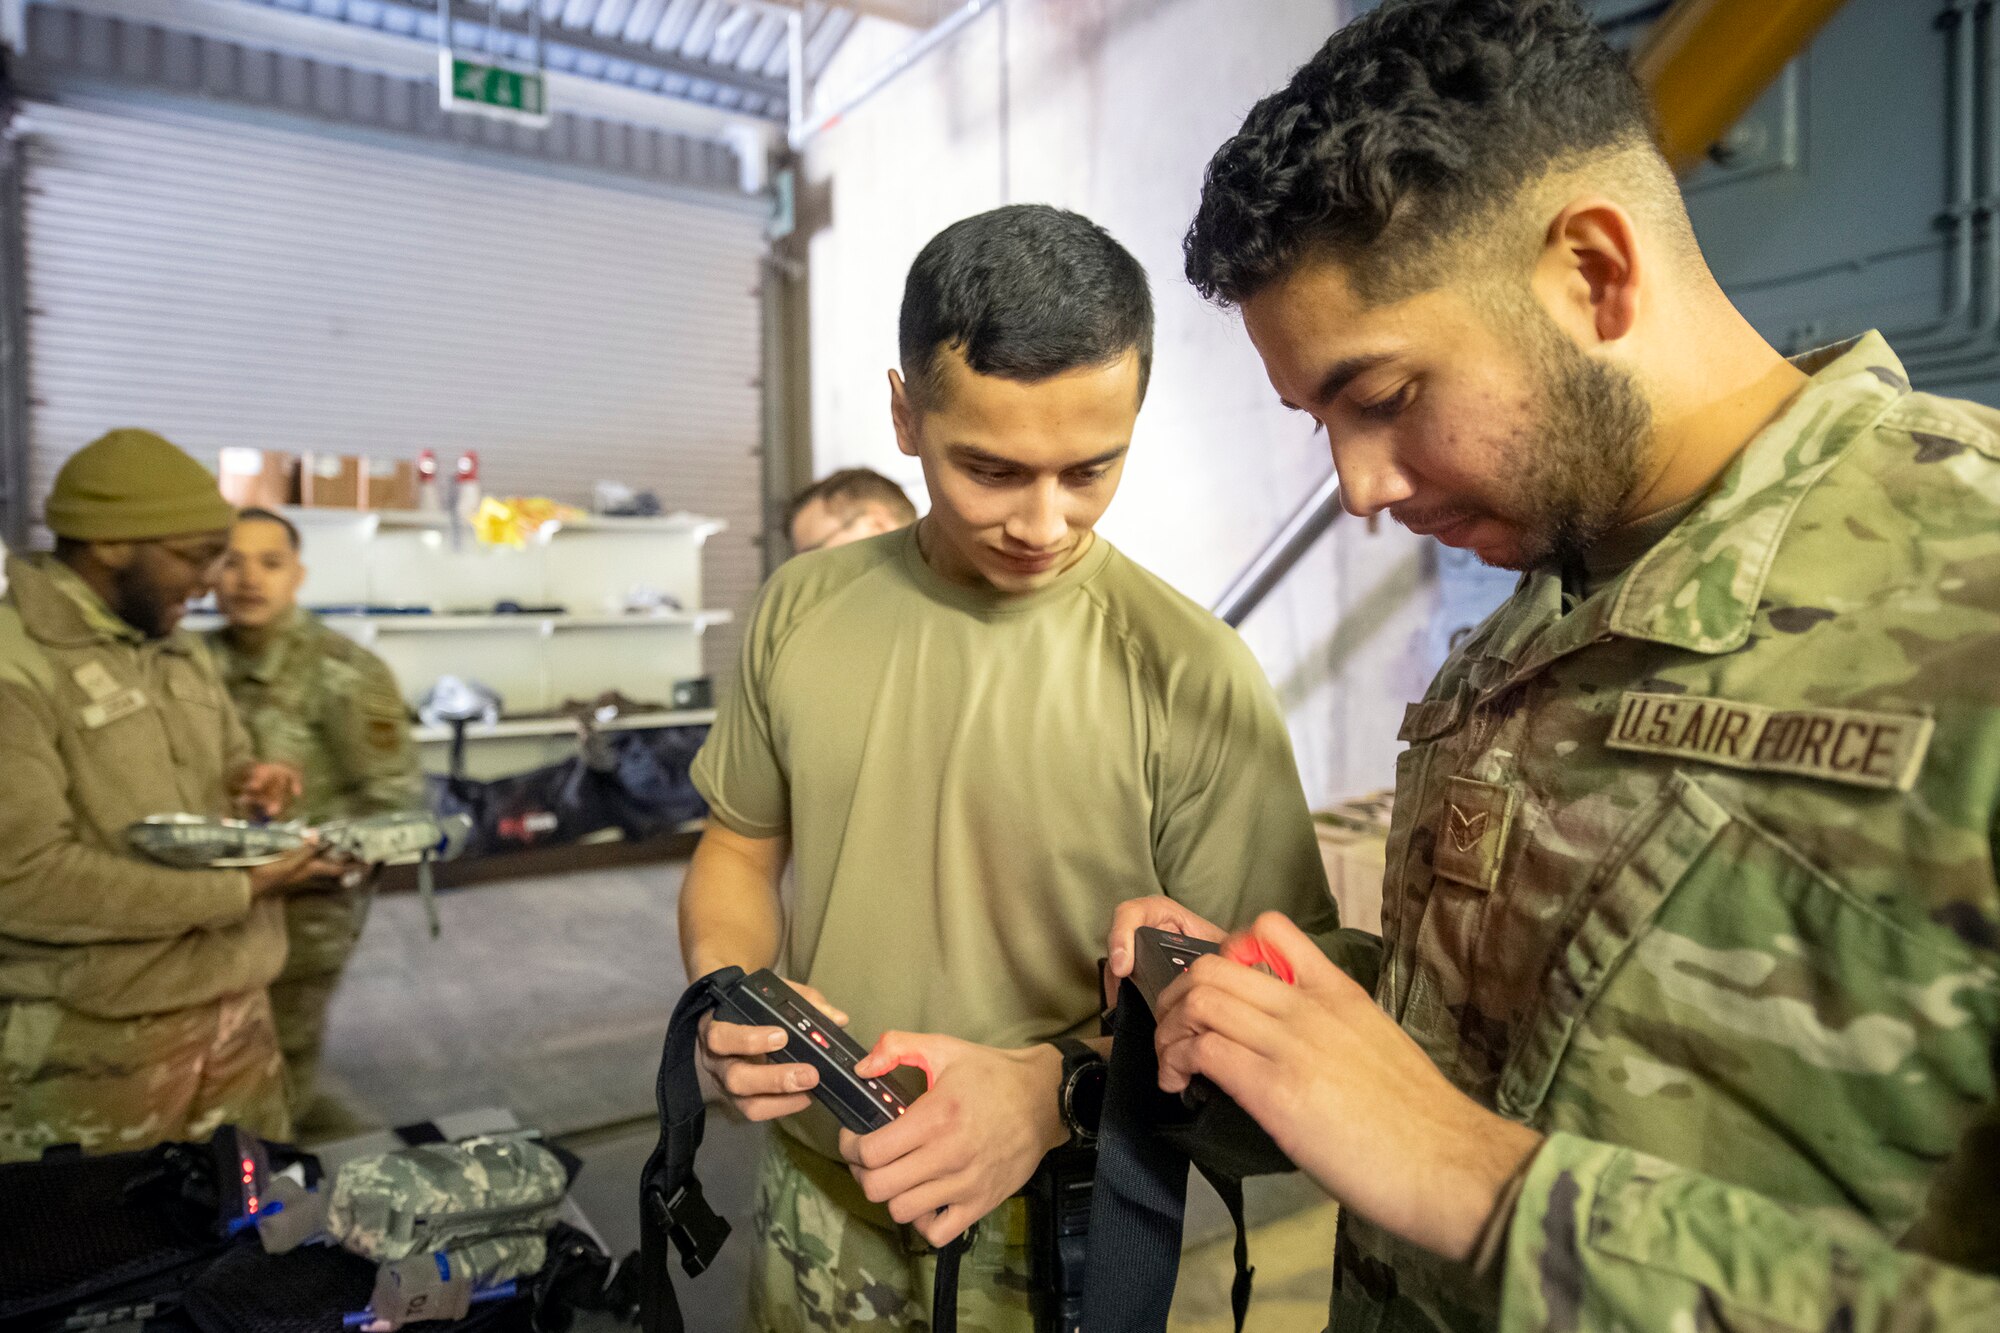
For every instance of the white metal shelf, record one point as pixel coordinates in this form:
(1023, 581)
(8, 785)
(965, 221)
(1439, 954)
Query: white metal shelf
(421, 593)
(512, 729)
(392, 622)
(373, 520)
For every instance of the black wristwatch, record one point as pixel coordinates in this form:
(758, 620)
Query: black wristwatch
(1081, 1093)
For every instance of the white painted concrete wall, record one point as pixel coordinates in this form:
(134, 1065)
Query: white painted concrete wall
(1112, 108)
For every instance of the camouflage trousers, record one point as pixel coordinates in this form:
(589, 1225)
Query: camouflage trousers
(820, 1269)
(321, 929)
(118, 1084)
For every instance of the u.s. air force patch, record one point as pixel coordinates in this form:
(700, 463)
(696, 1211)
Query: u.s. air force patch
(386, 733)
(1838, 744)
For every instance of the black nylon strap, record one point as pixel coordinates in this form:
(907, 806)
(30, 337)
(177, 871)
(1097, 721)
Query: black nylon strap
(944, 1286)
(1230, 1188)
(1140, 1203)
(1137, 1208)
(672, 1210)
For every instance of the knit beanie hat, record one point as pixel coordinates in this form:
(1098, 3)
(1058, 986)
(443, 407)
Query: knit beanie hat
(133, 486)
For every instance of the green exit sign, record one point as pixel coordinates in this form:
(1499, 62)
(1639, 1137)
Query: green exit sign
(493, 90)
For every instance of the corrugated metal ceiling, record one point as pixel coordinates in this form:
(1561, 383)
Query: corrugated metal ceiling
(716, 52)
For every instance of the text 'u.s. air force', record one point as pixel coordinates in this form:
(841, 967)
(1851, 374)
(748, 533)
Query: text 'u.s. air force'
(1836, 744)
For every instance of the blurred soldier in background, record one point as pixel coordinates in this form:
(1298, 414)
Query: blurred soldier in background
(846, 506)
(132, 996)
(322, 703)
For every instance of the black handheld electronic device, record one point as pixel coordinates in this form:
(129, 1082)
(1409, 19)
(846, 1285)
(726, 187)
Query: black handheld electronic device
(1159, 957)
(762, 999)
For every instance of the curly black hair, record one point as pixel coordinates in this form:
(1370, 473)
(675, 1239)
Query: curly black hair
(1408, 126)
(1025, 292)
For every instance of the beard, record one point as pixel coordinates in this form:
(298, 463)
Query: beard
(1580, 460)
(141, 603)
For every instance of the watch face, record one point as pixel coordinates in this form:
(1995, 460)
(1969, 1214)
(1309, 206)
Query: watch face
(1086, 1097)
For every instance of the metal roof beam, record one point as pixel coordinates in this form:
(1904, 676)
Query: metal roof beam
(363, 47)
(911, 13)
(642, 57)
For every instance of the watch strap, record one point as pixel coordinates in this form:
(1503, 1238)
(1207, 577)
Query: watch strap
(1077, 1059)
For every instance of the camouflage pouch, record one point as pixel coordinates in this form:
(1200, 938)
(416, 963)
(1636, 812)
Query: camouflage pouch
(487, 1201)
(483, 1204)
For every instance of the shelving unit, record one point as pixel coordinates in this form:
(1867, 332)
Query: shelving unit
(526, 727)
(399, 622)
(536, 661)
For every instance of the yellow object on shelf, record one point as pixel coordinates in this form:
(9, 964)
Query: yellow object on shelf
(512, 521)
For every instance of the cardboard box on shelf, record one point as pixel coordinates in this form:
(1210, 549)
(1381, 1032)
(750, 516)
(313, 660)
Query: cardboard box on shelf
(329, 481)
(256, 478)
(388, 483)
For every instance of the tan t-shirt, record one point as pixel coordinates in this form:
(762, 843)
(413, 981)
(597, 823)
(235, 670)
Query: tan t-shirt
(972, 783)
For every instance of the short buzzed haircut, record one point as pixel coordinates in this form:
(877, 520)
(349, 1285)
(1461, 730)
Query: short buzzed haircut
(271, 516)
(1406, 134)
(1026, 293)
(852, 489)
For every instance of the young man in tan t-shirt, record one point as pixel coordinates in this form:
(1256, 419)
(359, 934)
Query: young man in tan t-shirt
(974, 737)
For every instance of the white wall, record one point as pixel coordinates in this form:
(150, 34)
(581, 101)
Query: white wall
(1112, 109)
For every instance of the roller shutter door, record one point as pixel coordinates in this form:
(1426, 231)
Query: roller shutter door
(231, 282)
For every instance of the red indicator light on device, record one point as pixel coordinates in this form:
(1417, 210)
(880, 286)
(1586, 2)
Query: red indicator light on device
(818, 1039)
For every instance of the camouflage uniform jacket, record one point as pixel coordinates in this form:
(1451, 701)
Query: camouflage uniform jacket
(99, 727)
(321, 702)
(1697, 877)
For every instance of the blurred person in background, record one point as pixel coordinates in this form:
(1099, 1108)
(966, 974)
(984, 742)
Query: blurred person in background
(132, 995)
(846, 506)
(318, 701)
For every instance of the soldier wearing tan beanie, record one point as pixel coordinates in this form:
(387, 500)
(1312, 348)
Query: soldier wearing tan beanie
(132, 996)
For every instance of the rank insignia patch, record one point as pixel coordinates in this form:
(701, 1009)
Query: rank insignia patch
(1472, 835)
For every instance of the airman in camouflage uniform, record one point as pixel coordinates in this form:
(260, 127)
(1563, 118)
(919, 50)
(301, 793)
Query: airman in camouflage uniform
(132, 1003)
(1697, 878)
(317, 700)
(1685, 1014)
